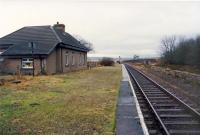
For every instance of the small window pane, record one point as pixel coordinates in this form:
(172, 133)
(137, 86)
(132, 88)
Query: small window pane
(27, 63)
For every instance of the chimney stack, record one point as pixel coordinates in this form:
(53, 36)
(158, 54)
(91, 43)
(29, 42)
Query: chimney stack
(59, 26)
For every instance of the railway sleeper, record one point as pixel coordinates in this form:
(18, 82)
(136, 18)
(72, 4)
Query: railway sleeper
(175, 116)
(188, 125)
(185, 132)
(162, 101)
(172, 112)
(153, 92)
(183, 126)
(160, 105)
(142, 101)
(144, 106)
(165, 105)
(148, 117)
(152, 125)
(146, 90)
(181, 122)
(140, 98)
(155, 95)
(154, 132)
(145, 110)
(159, 98)
(150, 90)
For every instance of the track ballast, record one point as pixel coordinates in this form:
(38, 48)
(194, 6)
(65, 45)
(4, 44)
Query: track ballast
(163, 112)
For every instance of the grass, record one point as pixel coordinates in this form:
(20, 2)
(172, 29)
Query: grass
(76, 103)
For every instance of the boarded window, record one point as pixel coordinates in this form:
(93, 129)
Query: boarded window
(73, 59)
(27, 63)
(84, 59)
(66, 58)
(80, 59)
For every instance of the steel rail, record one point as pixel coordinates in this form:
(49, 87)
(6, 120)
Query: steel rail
(151, 106)
(186, 106)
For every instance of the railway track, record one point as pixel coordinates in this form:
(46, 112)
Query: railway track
(163, 112)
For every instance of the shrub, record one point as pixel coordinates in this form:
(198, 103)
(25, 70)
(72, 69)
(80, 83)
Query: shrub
(107, 61)
(181, 52)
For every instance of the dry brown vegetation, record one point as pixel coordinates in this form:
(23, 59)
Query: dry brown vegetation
(75, 103)
(185, 68)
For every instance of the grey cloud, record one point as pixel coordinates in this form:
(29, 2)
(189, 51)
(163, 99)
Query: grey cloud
(115, 28)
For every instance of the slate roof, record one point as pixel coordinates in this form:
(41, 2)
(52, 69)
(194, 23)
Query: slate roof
(45, 38)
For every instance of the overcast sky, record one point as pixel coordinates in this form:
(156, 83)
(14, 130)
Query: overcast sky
(115, 27)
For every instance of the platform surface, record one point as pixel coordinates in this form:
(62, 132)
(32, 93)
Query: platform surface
(127, 122)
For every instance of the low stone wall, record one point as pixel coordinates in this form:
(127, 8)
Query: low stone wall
(176, 73)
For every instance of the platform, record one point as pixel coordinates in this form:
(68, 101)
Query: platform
(128, 121)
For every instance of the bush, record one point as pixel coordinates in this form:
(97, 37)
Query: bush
(107, 61)
(183, 52)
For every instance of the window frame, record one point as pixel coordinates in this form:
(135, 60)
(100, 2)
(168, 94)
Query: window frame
(73, 59)
(80, 59)
(27, 60)
(67, 59)
(84, 59)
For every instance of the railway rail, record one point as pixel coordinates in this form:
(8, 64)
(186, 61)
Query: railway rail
(163, 112)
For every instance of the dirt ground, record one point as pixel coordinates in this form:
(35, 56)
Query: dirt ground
(185, 90)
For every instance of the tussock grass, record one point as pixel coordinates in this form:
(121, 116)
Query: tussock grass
(75, 103)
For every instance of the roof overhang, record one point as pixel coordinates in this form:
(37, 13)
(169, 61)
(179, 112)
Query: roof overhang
(25, 55)
(73, 47)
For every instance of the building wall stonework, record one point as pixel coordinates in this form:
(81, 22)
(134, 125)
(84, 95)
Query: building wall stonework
(55, 63)
(78, 64)
(51, 67)
(37, 66)
(12, 66)
(58, 60)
